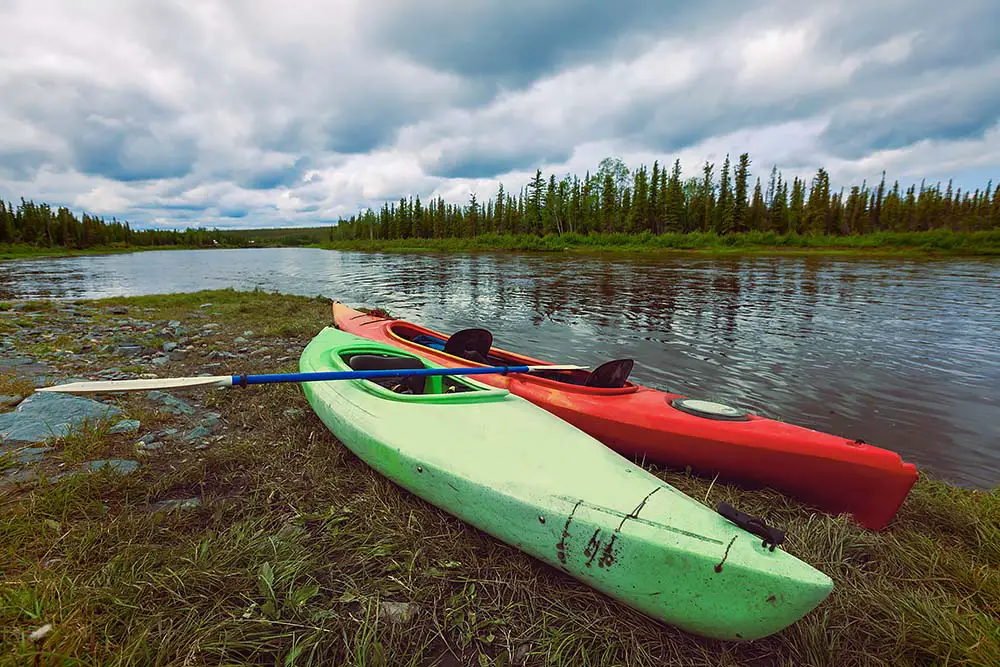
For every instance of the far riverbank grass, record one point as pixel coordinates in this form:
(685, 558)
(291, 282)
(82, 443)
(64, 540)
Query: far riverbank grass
(298, 546)
(937, 242)
(25, 251)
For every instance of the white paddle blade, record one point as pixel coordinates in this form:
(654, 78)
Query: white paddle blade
(140, 385)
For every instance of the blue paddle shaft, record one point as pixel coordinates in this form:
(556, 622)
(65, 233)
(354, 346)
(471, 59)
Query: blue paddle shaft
(242, 380)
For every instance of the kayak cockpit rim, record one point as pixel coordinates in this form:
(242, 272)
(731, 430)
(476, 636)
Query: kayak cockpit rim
(470, 391)
(396, 330)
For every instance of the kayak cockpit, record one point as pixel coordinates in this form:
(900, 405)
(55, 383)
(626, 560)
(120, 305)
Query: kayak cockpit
(431, 388)
(476, 345)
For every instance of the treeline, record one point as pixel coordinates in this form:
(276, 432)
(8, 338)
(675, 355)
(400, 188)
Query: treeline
(658, 200)
(40, 226)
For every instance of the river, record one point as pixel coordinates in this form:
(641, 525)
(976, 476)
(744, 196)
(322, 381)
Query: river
(903, 353)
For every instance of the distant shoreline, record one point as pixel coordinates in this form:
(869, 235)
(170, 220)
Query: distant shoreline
(937, 242)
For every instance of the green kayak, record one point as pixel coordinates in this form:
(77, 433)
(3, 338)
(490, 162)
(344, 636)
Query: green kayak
(526, 477)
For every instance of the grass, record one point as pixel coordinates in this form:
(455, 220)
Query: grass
(27, 251)
(297, 545)
(936, 242)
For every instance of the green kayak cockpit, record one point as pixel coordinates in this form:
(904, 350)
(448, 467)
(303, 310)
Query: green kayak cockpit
(420, 389)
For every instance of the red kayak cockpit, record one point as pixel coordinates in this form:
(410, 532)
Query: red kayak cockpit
(476, 345)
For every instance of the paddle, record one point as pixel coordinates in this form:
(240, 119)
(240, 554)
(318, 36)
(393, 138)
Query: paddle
(323, 376)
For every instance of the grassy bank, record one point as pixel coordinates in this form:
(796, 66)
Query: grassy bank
(23, 251)
(938, 242)
(295, 552)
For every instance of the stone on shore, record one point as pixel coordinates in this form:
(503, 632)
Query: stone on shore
(42, 416)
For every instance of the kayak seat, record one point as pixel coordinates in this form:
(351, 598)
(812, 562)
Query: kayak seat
(471, 344)
(610, 374)
(382, 362)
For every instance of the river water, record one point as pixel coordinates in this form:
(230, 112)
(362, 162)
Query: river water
(903, 353)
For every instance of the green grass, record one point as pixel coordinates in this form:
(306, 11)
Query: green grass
(944, 242)
(26, 251)
(297, 544)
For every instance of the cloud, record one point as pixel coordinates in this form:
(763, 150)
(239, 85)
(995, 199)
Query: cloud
(211, 113)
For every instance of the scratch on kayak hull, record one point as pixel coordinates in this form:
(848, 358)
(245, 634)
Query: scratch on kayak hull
(561, 547)
(608, 556)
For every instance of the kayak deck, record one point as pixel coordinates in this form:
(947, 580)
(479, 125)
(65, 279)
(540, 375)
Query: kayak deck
(836, 474)
(543, 486)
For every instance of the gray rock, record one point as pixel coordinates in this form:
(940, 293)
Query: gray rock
(294, 412)
(177, 355)
(160, 361)
(174, 323)
(169, 346)
(126, 426)
(398, 613)
(148, 438)
(197, 433)
(16, 361)
(211, 419)
(150, 446)
(167, 432)
(248, 332)
(118, 310)
(171, 403)
(43, 416)
(31, 454)
(20, 476)
(180, 504)
(120, 466)
(8, 401)
(128, 350)
(206, 305)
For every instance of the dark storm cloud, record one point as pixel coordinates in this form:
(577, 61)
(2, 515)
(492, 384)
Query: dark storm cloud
(517, 43)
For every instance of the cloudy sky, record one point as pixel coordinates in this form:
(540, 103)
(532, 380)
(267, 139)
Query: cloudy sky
(255, 114)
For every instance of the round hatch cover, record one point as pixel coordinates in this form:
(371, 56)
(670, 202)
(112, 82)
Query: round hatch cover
(709, 409)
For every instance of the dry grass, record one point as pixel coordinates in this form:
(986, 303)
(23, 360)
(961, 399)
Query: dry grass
(297, 543)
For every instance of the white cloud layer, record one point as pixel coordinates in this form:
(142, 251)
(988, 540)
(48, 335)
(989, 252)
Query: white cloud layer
(171, 113)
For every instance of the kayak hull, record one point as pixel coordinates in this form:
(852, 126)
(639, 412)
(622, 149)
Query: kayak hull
(572, 503)
(836, 474)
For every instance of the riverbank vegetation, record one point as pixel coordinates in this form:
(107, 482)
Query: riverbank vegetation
(724, 207)
(29, 229)
(269, 542)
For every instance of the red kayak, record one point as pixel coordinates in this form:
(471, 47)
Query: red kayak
(835, 474)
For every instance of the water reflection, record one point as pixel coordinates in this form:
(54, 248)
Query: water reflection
(901, 353)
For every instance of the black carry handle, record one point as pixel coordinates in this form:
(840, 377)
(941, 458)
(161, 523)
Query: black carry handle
(772, 536)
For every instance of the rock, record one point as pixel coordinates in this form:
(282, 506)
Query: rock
(160, 361)
(167, 432)
(293, 412)
(174, 323)
(128, 350)
(211, 419)
(171, 403)
(8, 401)
(206, 305)
(239, 340)
(150, 446)
(118, 310)
(126, 426)
(31, 454)
(20, 477)
(197, 433)
(169, 346)
(120, 466)
(16, 361)
(200, 445)
(248, 332)
(43, 416)
(398, 613)
(177, 355)
(173, 504)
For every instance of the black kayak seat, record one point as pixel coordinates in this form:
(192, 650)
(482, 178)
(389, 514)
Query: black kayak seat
(471, 344)
(610, 374)
(386, 362)
(382, 362)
